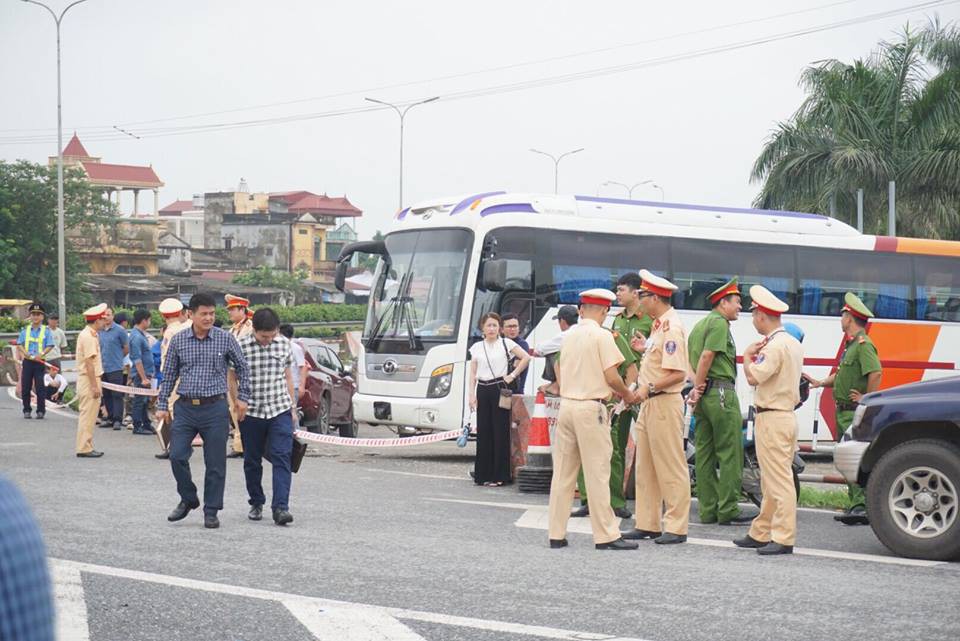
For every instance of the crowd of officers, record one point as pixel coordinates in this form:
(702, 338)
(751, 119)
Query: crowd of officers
(644, 361)
(212, 381)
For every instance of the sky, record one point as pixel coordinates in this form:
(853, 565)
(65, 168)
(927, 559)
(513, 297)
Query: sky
(651, 91)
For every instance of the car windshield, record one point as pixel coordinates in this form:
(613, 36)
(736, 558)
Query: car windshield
(418, 288)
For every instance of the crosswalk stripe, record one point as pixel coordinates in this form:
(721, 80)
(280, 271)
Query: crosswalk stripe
(70, 604)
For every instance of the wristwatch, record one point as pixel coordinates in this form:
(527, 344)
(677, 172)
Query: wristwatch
(651, 389)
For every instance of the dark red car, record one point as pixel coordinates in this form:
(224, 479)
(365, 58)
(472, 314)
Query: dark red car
(327, 402)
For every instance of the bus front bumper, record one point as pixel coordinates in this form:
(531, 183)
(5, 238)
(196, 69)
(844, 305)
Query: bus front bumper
(423, 413)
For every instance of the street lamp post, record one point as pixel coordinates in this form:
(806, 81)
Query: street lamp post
(61, 252)
(650, 182)
(629, 188)
(556, 165)
(402, 113)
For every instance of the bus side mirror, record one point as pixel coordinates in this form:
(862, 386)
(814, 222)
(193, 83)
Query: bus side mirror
(340, 277)
(494, 276)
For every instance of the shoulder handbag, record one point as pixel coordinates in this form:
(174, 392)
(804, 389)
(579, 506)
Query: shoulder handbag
(505, 402)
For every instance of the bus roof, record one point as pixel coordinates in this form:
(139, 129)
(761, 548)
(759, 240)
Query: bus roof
(549, 210)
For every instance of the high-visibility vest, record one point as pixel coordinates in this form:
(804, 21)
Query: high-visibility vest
(41, 335)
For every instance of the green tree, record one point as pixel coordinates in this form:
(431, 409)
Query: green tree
(265, 276)
(28, 230)
(893, 116)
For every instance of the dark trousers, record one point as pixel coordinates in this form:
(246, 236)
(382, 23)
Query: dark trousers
(141, 420)
(113, 401)
(210, 421)
(31, 378)
(53, 393)
(270, 438)
(493, 437)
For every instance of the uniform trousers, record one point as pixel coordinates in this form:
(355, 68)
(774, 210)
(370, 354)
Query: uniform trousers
(619, 435)
(210, 422)
(582, 438)
(89, 407)
(719, 443)
(776, 440)
(31, 379)
(663, 480)
(492, 464)
(854, 491)
(270, 438)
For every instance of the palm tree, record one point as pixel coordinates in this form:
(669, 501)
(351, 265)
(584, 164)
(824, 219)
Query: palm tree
(892, 117)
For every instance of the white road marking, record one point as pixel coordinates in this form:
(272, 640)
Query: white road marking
(70, 604)
(349, 623)
(19, 444)
(301, 605)
(536, 517)
(425, 476)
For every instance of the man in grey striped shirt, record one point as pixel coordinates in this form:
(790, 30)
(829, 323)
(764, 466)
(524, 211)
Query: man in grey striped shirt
(267, 430)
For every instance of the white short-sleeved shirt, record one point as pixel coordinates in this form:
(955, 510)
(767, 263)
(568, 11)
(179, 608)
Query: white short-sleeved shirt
(499, 361)
(299, 360)
(59, 381)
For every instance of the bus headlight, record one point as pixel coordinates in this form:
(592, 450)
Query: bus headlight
(441, 380)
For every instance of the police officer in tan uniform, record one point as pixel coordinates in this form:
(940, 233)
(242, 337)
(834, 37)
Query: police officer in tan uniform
(773, 366)
(175, 320)
(238, 310)
(663, 480)
(89, 371)
(588, 374)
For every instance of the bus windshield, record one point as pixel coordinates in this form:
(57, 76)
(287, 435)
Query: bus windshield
(418, 289)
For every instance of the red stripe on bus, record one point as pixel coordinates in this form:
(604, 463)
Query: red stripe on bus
(885, 244)
(830, 362)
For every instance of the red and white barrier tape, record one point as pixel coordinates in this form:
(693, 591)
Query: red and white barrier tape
(377, 442)
(127, 389)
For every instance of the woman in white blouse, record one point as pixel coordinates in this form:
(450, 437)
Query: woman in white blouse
(490, 373)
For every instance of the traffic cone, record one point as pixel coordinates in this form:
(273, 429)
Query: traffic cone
(536, 475)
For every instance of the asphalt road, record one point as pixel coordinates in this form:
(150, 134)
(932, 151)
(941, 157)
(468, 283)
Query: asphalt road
(399, 544)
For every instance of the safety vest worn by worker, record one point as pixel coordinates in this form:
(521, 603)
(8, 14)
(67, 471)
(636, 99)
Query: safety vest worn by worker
(42, 334)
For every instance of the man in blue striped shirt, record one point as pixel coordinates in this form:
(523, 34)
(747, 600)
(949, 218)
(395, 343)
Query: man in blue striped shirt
(198, 358)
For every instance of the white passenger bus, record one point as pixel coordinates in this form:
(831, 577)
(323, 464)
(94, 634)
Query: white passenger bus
(446, 262)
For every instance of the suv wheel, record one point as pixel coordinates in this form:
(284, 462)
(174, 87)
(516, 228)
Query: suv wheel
(913, 499)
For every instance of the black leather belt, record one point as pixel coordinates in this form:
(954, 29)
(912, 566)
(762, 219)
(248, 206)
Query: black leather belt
(846, 406)
(719, 383)
(761, 410)
(206, 400)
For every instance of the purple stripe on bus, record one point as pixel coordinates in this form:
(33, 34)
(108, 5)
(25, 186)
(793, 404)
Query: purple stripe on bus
(466, 202)
(727, 210)
(518, 208)
(403, 214)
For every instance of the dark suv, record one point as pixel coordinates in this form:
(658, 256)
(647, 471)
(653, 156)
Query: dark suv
(327, 401)
(904, 448)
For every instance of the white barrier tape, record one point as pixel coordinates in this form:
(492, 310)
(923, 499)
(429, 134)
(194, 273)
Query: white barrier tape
(377, 442)
(126, 389)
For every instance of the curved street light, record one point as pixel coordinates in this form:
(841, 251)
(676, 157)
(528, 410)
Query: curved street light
(556, 164)
(402, 112)
(650, 182)
(61, 259)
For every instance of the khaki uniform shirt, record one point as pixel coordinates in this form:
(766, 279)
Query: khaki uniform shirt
(588, 350)
(777, 369)
(241, 329)
(666, 351)
(88, 351)
(167, 335)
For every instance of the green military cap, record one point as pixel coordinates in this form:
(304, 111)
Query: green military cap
(855, 306)
(732, 286)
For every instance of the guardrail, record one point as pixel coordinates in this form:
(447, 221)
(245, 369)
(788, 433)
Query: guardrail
(11, 336)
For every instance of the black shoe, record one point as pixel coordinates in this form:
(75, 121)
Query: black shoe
(669, 538)
(234, 454)
(162, 455)
(772, 548)
(27, 414)
(256, 513)
(640, 535)
(558, 543)
(210, 521)
(741, 519)
(117, 427)
(145, 432)
(618, 544)
(182, 510)
(622, 512)
(857, 515)
(580, 512)
(749, 542)
(282, 517)
(90, 454)
(40, 415)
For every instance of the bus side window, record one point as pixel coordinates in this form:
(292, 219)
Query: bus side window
(938, 288)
